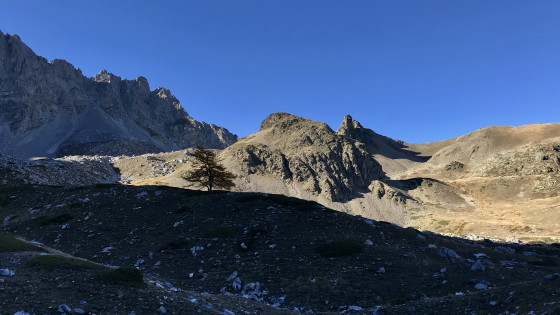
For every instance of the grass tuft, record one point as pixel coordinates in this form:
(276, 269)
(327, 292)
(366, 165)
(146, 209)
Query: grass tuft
(293, 202)
(182, 209)
(125, 276)
(55, 261)
(56, 219)
(174, 245)
(221, 232)
(9, 243)
(339, 248)
(248, 197)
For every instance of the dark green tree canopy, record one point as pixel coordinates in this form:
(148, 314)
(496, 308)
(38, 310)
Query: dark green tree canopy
(207, 171)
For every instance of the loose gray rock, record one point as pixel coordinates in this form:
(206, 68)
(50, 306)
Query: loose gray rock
(482, 285)
(64, 309)
(6, 272)
(551, 277)
(477, 266)
(448, 253)
(504, 250)
(236, 284)
(162, 309)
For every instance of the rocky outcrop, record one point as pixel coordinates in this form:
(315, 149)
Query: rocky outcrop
(51, 108)
(305, 153)
(533, 159)
(375, 143)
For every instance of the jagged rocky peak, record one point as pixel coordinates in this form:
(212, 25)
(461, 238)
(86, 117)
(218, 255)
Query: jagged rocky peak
(50, 108)
(348, 126)
(107, 77)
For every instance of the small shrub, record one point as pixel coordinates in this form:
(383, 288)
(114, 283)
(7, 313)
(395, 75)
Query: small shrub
(57, 219)
(248, 197)
(293, 202)
(196, 193)
(125, 276)
(182, 209)
(339, 248)
(9, 243)
(55, 261)
(221, 232)
(257, 232)
(174, 245)
(105, 185)
(75, 205)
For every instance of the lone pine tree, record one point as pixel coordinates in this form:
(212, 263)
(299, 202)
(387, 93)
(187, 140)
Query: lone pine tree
(207, 171)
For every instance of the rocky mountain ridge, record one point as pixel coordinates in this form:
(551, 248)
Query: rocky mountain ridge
(52, 109)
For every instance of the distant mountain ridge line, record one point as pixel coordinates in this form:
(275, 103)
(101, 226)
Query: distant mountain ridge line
(50, 108)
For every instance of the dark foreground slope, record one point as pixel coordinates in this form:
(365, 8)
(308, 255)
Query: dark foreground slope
(281, 254)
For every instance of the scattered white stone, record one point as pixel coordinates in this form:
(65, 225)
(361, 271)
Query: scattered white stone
(196, 249)
(493, 303)
(107, 249)
(432, 246)
(227, 312)
(381, 270)
(157, 263)
(368, 242)
(271, 246)
(243, 246)
(140, 195)
(191, 274)
(86, 199)
(176, 224)
(368, 221)
(420, 237)
(354, 308)
(21, 313)
(162, 309)
(6, 272)
(158, 192)
(79, 311)
(443, 270)
(65, 226)
(459, 293)
(138, 262)
(480, 255)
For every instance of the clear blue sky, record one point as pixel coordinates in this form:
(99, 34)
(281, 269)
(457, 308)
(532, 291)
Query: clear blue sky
(417, 71)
